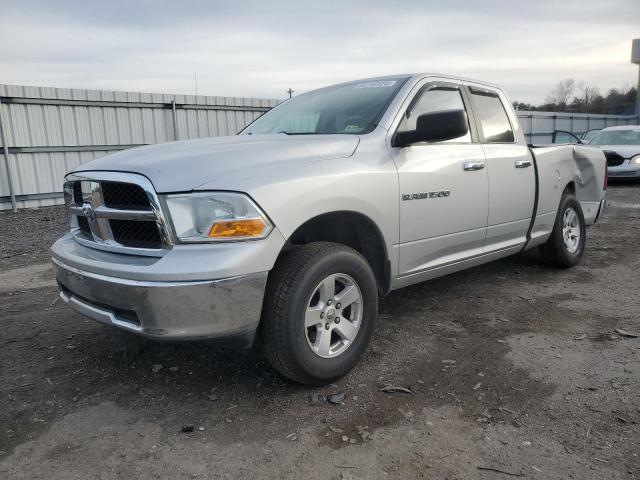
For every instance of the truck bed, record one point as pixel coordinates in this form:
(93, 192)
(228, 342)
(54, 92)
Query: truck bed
(554, 165)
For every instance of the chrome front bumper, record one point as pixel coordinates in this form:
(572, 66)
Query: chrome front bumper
(186, 310)
(626, 170)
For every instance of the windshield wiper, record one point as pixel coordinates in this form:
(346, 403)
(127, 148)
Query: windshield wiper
(298, 133)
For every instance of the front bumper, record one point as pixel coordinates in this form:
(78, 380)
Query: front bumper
(192, 292)
(228, 307)
(626, 170)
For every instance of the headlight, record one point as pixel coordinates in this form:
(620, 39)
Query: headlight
(635, 160)
(216, 216)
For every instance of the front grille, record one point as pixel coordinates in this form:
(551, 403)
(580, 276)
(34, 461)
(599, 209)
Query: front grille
(83, 224)
(135, 234)
(124, 196)
(614, 159)
(77, 193)
(116, 211)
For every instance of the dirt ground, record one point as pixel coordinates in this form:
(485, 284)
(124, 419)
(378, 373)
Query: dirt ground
(516, 369)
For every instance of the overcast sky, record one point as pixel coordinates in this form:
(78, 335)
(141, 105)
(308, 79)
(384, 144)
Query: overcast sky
(261, 48)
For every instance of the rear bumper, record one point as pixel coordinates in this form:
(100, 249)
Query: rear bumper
(592, 210)
(228, 307)
(601, 209)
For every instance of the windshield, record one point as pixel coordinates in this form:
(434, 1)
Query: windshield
(587, 136)
(347, 108)
(616, 137)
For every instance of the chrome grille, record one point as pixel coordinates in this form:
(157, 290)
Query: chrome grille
(77, 193)
(83, 224)
(135, 234)
(125, 196)
(116, 212)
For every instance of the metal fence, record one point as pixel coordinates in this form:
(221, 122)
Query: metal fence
(45, 132)
(538, 127)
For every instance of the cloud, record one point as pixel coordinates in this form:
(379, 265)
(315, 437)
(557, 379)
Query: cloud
(258, 48)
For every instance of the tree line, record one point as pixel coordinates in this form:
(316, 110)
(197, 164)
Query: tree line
(578, 97)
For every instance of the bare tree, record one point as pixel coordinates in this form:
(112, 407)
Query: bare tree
(588, 95)
(562, 93)
(588, 99)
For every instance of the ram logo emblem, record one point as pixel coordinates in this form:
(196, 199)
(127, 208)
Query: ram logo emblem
(88, 211)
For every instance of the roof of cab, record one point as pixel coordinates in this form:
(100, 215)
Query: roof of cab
(458, 78)
(417, 76)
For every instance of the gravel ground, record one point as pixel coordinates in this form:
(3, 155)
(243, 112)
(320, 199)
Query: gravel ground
(514, 367)
(25, 236)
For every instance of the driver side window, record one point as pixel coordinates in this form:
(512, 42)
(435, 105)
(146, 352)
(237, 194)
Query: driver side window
(434, 100)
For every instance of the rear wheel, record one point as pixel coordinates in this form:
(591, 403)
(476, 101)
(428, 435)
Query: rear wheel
(319, 312)
(565, 246)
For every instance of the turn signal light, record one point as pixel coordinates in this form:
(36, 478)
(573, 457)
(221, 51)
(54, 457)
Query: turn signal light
(252, 227)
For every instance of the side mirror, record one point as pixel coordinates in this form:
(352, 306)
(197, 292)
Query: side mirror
(435, 127)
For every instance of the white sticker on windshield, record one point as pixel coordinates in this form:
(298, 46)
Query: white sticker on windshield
(378, 84)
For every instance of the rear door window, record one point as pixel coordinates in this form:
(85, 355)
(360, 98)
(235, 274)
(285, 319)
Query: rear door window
(493, 118)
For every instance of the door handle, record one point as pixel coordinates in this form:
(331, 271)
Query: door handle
(470, 166)
(522, 163)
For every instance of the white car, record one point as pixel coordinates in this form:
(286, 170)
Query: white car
(622, 148)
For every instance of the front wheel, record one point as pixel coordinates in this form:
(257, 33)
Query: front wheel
(320, 308)
(565, 246)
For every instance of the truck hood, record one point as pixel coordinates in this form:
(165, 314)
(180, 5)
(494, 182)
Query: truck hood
(625, 151)
(229, 163)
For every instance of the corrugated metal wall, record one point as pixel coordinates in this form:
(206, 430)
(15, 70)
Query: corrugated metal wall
(50, 131)
(538, 127)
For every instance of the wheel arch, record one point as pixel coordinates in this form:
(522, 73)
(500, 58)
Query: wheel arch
(570, 187)
(350, 228)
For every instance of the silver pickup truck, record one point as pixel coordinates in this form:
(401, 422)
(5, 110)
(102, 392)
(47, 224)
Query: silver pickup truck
(285, 235)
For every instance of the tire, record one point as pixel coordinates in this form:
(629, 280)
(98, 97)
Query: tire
(562, 249)
(298, 292)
